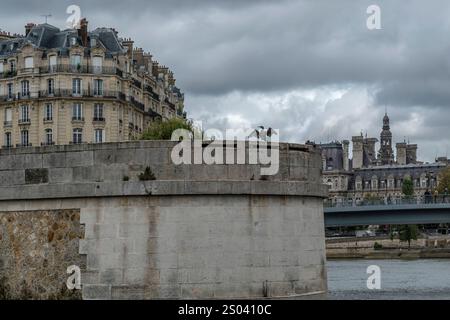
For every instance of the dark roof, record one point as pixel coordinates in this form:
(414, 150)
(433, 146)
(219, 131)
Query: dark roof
(46, 36)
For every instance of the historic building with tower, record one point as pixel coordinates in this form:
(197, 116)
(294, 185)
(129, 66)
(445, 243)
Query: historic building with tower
(79, 86)
(376, 174)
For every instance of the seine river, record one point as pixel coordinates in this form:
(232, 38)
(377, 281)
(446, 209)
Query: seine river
(400, 279)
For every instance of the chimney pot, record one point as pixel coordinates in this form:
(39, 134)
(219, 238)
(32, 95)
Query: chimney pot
(83, 32)
(28, 28)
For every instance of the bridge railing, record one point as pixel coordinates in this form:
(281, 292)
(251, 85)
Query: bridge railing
(387, 201)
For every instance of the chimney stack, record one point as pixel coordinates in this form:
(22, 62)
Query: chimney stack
(128, 44)
(28, 28)
(401, 153)
(83, 32)
(358, 152)
(345, 151)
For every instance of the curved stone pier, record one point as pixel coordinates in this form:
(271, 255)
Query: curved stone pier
(196, 231)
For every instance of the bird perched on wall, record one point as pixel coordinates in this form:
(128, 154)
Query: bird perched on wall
(262, 134)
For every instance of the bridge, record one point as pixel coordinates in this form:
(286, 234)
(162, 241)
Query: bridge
(403, 210)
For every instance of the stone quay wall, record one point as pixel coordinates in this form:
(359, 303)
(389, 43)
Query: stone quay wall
(195, 231)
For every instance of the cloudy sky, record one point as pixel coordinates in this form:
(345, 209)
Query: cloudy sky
(308, 67)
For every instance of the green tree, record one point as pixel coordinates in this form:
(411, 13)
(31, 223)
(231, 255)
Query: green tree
(162, 130)
(408, 233)
(408, 187)
(444, 180)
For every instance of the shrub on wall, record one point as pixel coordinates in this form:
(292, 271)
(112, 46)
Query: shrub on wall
(162, 130)
(147, 175)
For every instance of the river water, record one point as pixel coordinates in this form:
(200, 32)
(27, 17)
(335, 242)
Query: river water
(400, 279)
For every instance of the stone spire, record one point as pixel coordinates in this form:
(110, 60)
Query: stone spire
(386, 153)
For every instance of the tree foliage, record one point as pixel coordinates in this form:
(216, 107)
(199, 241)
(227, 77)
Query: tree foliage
(444, 181)
(162, 130)
(408, 233)
(408, 187)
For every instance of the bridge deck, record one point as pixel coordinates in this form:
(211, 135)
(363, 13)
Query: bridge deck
(422, 213)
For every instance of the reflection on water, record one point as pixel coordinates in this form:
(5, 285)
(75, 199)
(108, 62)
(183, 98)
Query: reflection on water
(400, 279)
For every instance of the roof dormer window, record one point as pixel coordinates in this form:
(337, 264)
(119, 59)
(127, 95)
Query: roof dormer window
(73, 41)
(29, 64)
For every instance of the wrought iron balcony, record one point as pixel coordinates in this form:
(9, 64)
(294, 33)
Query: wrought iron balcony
(99, 119)
(68, 68)
(47, 143)
(77, 119)
(8, 74)
(24, 121)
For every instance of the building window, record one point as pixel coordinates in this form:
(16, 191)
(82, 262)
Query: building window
(24, 113)
(97, 63)
(98, 87)
(51, 86)
(77, 136)
(29, 63)
(77, 112)
(8, 116)
(8, 141)
(25, 88)
(99, 136)
(98, 112)
(75, 62)
(12, 65)
(10, 90)
(48, 136)
(24, 138)
(1, 67)
(76, 86)
(48, 112)
(53, 63)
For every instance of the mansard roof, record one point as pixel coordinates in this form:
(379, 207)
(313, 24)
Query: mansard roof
(46, 37)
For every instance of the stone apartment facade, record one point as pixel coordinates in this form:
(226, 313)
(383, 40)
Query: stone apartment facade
(78, 86)
(376, 174)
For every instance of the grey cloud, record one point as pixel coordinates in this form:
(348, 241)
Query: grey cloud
(254, 50)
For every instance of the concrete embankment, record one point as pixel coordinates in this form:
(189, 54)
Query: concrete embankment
(384, 248)
(181, 232)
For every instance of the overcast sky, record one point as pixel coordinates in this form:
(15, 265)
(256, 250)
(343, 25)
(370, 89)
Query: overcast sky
(308, 67)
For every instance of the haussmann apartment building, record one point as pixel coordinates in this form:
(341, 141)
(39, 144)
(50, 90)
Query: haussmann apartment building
(78, 86)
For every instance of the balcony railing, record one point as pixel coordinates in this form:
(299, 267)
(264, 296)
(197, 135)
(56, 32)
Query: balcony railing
(47, 143)
(68, 68)
(137, 83)
(23, 145)
(8, 74)
(99, 119)
(7, 123)
(68, 93)
(57, 93)
(24, 121)
(149, 90)
(77, 119)
(137, 104)
(170, 104)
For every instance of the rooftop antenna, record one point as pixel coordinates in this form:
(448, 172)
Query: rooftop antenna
(46, 16)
